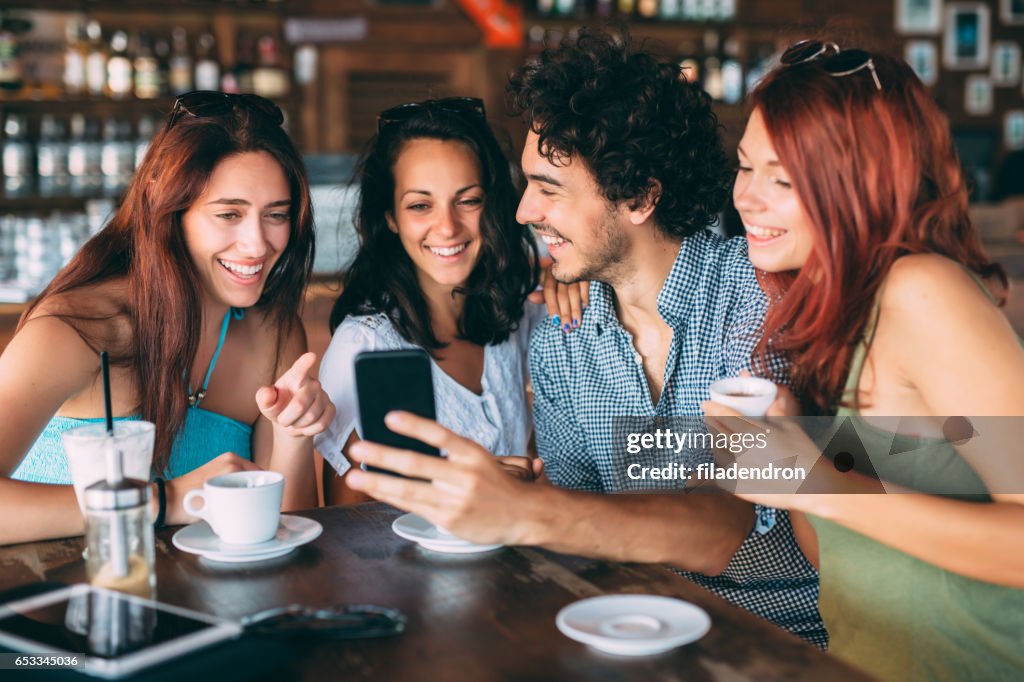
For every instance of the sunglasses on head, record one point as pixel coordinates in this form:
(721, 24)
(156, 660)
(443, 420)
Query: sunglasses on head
(835, 61)
(472, 106)
(207, 103)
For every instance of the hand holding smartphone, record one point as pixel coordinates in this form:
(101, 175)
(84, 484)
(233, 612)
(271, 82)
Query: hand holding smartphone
(393, 380)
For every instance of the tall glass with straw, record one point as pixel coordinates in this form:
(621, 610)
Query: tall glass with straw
(118, 526)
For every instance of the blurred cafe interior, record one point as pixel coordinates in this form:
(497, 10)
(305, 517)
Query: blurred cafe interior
(84, 82)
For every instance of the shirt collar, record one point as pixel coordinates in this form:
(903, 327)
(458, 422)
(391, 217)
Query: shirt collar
(677, 293)
(674, 298)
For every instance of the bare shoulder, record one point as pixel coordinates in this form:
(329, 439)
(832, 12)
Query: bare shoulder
(98, 313)
(928, 297)
(924, 285)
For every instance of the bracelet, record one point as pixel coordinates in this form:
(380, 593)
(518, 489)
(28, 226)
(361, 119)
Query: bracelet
(161, 496)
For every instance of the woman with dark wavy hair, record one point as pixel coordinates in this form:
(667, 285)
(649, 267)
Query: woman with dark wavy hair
(192, 288)
(443, 266)
(855, 210)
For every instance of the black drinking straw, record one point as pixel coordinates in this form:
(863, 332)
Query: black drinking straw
(105, 367)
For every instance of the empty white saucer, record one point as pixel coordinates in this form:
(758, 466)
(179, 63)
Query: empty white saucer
(633, 624)
(426, 535)
(292, 532)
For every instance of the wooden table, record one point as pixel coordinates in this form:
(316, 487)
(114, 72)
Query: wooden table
(478, 617)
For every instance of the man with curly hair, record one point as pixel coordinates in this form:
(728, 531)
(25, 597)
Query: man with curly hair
(625, 171)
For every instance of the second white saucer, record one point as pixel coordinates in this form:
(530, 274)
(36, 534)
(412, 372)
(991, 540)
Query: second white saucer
(292, 532)
(426, 535)
(633, 624)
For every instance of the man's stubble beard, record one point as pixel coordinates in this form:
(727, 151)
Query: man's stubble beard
(603, 262)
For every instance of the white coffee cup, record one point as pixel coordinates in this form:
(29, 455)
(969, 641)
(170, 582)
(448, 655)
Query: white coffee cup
(750, 396)
(242, 508)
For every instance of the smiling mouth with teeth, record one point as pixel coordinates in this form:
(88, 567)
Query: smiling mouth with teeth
(244, 271)
(764, 232)
(551, 240)
(448, 250)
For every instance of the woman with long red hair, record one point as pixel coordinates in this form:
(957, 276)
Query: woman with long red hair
(193, 289)
(886, 304)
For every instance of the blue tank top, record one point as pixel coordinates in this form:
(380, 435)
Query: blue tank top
(203, 436)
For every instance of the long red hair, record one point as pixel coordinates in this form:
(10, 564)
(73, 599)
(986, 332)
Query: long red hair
(145, 242)
(877, 173)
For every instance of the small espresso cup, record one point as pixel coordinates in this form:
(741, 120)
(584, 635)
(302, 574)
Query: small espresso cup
(242, 508)
(750, 396)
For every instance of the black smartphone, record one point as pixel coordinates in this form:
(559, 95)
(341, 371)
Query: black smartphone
(394, 380)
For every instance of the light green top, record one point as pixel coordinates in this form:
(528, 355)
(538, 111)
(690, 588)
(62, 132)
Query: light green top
(900, 618)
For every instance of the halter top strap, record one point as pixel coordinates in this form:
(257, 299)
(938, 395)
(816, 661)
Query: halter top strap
(238, 314)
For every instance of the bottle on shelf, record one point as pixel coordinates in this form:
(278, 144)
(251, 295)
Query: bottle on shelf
(647, 9)
(304, 64)
(147, 127)
(117, 156)
(712, 65)
(670, 10)
(181, 64)
(626, 7)
(239, 78)
(603, 9)
(207, 71)
(52, 157)
(269, 78)
(119, 67)
(689, 65)
(85, 156)
(146, 69)
(732, 72)
(545, 8)
(759, 66)
(162, 51)
(76, 51)
(95, 60)
(17, 157)
(565, 8)
(11, 77)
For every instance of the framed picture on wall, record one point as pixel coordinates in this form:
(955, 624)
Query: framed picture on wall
(1012, 12)
(1005, 63)
(923, 57)
(966, 43)
(978, 95)
(918, 16)
(1013, 129)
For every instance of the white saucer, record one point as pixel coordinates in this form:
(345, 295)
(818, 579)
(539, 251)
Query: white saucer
(425, 534)
(292, 532)
(633, 624)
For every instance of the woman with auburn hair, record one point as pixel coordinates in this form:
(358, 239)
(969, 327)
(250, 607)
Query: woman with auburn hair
(192, 288)
(443, 266)
(856, 215)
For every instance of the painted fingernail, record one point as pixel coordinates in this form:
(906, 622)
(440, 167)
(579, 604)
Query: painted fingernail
(566, 326)
(557, 320)
(575, 323)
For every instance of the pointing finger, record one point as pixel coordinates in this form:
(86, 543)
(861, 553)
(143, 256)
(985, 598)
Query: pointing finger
(298, 373)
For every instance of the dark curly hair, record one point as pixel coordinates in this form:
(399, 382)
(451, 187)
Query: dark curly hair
(632, 119)
(382, 279)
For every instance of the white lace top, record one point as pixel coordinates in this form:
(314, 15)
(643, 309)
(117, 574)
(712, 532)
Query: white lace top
(499, 419)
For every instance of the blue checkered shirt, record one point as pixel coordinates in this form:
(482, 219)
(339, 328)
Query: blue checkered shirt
(582, 380)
